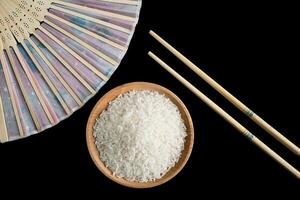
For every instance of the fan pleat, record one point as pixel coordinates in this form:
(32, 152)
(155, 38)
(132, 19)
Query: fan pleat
(86, 31)
(56, 82)
(64, 69)
(116, 36)
(23, 117)
(87, 16)
(91, 10)
(112, 20)
(45, 113)
(86, 39)
(27, 91)
(46, 63)
(82, 67)
(120, 7)
(55, 113)
(7, 117)
(36, 59)
(63, 58)
(79, 50)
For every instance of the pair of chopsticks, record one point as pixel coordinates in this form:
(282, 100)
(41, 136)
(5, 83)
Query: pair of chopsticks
(259, 121)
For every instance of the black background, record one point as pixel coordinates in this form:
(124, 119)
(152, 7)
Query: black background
(252, 49)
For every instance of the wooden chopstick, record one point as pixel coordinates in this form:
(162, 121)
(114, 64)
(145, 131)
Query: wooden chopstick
(227, 117)
(237, 103)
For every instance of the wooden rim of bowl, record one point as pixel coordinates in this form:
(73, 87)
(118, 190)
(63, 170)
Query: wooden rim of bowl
(102, 105)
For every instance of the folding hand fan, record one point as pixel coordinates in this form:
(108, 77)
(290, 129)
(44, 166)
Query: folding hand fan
(55, 55)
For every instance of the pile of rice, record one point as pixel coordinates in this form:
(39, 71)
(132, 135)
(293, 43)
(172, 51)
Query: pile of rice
(140, 136)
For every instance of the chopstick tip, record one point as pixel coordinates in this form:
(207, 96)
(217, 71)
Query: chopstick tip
(150, 53)
(152, 33)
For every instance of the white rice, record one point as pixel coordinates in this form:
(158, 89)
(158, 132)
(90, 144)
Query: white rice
(140, 136)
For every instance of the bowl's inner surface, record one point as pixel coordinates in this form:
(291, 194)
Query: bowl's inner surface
(102, 105)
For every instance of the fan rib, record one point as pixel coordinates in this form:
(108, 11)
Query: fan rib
(84, 44)
(46, 78)
(88, 32)
(93, 10)
(12, 95)
(97, 21)
(129, 2)
(62, 60)
(3, 128)
(35, 86)
(55, 72)
(23, 90)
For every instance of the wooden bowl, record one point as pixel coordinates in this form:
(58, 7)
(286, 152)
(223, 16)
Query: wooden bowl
(102, 105)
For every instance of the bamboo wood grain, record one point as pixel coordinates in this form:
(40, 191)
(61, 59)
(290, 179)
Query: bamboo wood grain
(3, 128)
(15, 26)
(55, 72)
(242, 107)
(7, 36)
(19, 15)
(227, 117)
